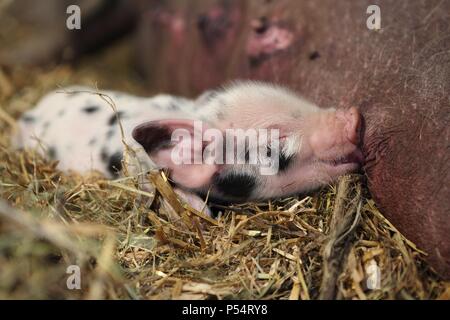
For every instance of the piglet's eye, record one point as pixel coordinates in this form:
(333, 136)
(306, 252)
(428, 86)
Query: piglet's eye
(284, 162)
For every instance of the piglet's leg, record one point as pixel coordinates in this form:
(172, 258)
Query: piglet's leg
(193, 200)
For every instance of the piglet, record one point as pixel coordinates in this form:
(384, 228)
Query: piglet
(245, 141)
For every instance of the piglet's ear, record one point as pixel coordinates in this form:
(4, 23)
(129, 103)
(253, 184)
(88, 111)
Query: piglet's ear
(155, 135)
(177, 146)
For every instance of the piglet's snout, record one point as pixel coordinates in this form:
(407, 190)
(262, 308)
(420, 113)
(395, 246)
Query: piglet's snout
(352, 120)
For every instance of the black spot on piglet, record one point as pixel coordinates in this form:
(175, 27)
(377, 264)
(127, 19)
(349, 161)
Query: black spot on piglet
(115, 163)
(238, 185)
(92, 141)
(28, 118)
(104, 155)
(173, 106)
(90, 109)
(110, 133)
(113, 119)
(51, 152)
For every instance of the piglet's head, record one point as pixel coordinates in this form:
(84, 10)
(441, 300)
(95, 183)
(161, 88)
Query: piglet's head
(266, 143)
(252, 167)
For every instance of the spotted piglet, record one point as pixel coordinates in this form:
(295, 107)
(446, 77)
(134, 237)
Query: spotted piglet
(309, 146)
(79, 127)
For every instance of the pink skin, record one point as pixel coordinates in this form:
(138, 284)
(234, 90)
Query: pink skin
(329, 150)
(333, 135)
